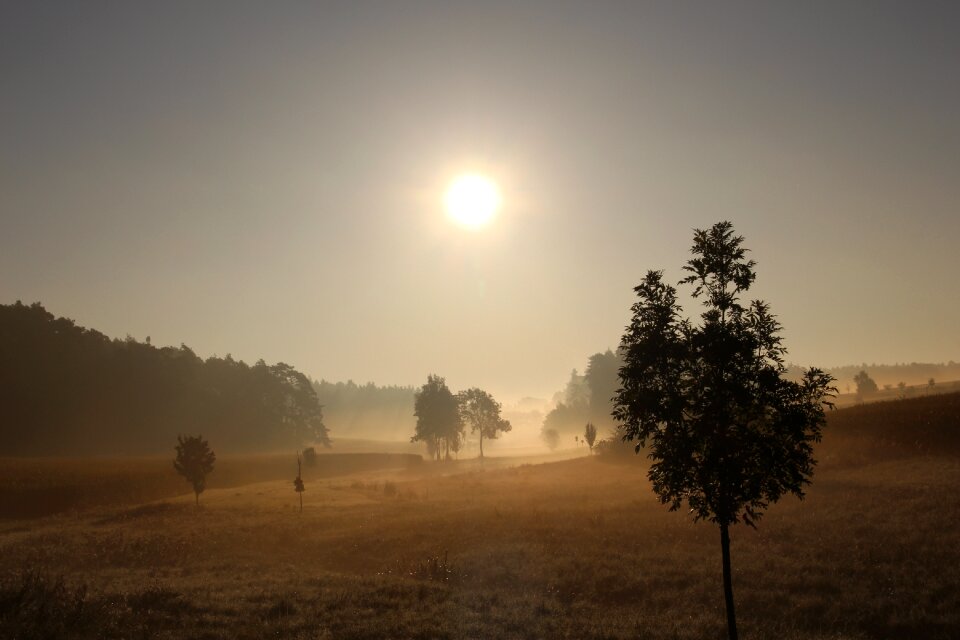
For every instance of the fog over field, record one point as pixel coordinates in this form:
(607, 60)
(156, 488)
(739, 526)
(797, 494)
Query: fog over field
(455, 320)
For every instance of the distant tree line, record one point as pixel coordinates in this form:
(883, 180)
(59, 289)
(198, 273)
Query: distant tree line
(65, 389)
(586, 398)
(367, 410)
(913, 373)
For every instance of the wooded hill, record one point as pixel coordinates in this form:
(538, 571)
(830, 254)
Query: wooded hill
(68, 390)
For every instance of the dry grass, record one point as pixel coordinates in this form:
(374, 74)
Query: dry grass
(567, 549)
(574, 549)
(32, 487)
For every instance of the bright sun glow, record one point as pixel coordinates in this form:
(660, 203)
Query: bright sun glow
(472, 200)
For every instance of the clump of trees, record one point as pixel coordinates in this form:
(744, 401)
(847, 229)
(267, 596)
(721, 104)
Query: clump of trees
(727, 433)
(67, 389)
(194, 462)
(587, 397)
(439, 424)
(442, 417)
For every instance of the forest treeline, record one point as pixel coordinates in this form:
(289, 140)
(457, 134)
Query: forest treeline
(586, 398)
(68, 390)
(913, 373)
(367, 411)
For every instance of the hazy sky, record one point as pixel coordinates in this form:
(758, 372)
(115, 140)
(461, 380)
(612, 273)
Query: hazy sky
(266, 179)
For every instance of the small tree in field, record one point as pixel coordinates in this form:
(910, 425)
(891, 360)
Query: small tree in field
(482, 413)
(865, 384)
(551, 438)
(727, 434)
(194, 461)
(590, 435)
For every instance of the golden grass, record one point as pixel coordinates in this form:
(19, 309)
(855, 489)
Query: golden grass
(571, 549)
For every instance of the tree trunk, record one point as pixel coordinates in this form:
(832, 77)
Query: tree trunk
(481, 443)
(728, 582)
(196, 495)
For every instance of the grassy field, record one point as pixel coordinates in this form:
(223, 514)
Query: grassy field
(571, 549)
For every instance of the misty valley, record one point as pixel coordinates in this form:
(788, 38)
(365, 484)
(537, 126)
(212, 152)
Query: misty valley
(479, 320)
(413, 530)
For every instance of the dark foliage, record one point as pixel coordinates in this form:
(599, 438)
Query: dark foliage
(439, 424)
(590, 435)
(69, 390)
(726, 433)
(587, 397)
(481, 413)
(865, 384)
(194, 462)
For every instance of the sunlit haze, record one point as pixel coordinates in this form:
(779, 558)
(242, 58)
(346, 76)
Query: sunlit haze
(472, 200)
(271, 180)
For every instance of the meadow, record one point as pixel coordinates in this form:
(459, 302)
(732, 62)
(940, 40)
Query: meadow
(576, 548)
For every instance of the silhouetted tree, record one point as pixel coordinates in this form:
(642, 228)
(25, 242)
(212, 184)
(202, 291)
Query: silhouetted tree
(482, 413)
(590, 435)
(727, 434)
(438, 417)
(931, 383)
(865, 384)
(551, 438)
(902, 386)
(194, 462)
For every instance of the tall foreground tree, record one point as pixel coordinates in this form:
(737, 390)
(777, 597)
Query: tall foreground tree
(482, 413)
(439, 424)
(727, 434)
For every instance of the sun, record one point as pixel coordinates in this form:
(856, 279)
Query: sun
(472, 200)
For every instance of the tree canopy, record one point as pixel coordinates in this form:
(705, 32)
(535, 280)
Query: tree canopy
(439, 424)
(194, 462)
(866, 386)
(727, 433)
(65, 389)
(590, 435)
(482, 413)
(587, 397)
